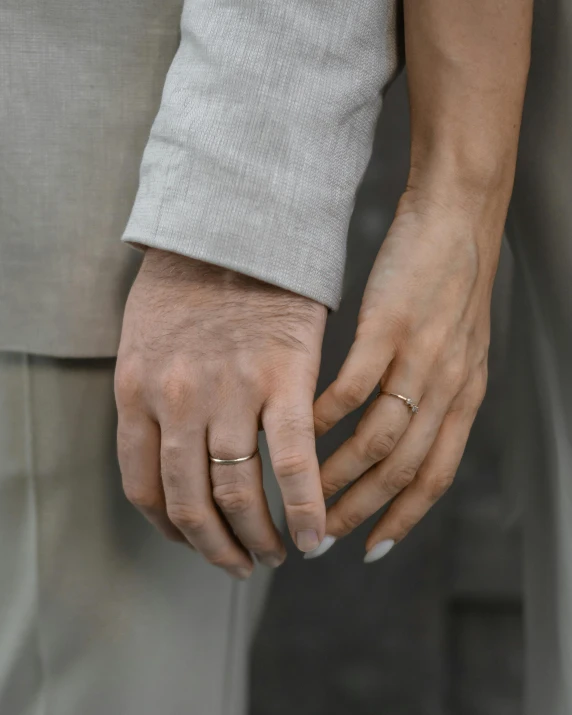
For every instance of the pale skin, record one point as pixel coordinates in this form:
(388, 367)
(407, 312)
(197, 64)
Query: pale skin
(208, 357)
(423, 329)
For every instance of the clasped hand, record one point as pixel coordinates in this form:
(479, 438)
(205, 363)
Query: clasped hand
(208, 357)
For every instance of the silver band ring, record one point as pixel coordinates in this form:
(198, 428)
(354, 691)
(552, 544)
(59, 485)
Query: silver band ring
(414, 407)
(238, 460)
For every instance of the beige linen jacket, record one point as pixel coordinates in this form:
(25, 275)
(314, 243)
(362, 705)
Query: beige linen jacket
(261, 139)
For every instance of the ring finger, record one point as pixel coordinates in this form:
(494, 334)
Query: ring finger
(376, 435)
(238, 488)
(190, 505)
(435, 476)
(386, 479)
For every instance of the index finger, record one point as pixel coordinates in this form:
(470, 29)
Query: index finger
(289, 427)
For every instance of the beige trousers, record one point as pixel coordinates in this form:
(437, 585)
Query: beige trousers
(98, 614)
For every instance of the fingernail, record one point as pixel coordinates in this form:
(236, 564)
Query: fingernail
(327, 542)
(379, 551)
(307, 540)
(240, 572)
(273, 561)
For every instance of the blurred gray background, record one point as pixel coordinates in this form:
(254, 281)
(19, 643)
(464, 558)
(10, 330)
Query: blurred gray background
(435, 627)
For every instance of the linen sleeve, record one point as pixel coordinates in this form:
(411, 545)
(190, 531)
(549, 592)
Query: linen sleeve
(263, 135)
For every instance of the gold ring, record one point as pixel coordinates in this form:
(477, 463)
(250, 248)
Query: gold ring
(413, 406)
(238, 460)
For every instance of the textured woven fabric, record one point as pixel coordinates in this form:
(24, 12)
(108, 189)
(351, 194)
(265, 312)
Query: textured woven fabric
(80, 85)
(263, 136)
(260, 143)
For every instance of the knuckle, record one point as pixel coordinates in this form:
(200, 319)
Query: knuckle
(438, 485)
(455, 376)
(479, 385)
(397, 480)
(305, 511)
(128, 381)
(471, 398)
(233, 499)
(330, 487)
(349, 520)
(288, 463)
(174, 386)
(141, 497)
(353, 391)
(322, 425)
(378, 446)
(186, 517)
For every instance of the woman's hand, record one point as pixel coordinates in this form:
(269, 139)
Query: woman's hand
(423, 332)
(424, 325)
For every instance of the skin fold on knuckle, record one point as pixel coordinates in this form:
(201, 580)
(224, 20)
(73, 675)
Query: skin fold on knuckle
(396, 480)
(233, 499)
(143, 498)
(289, 464)
(187, 517)
(321, 423)
(477, 387)
(344, 520)
(455, 375)
(175, 388)
(437, 485)
(376, 446)
(304, 513)
(351, 392)
(330, 487)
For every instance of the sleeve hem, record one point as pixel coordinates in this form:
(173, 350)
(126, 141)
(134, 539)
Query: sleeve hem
(308, 283)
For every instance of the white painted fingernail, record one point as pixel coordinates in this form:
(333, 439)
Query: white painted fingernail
(327, 542)
(379, 551)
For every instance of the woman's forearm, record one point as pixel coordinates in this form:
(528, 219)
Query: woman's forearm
(467, 68)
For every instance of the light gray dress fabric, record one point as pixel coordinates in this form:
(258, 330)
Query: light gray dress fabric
(539, 463)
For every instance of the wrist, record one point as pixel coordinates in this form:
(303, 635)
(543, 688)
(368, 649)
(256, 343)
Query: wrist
(446, 209)
(463, 172)
(479, 189)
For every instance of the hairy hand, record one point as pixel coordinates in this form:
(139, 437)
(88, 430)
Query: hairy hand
(423, 332)
(207, 356)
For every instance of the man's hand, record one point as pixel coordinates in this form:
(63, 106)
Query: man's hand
(207, 356)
